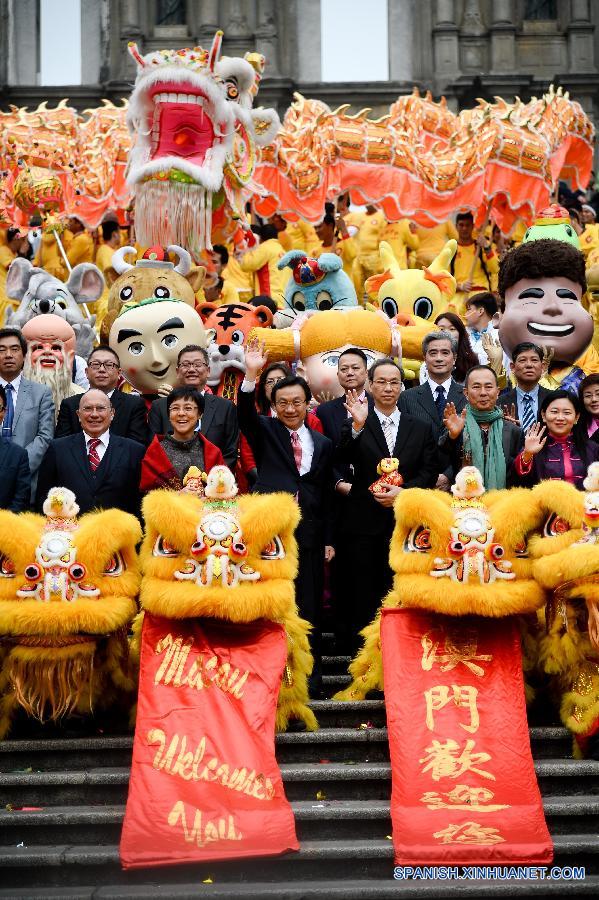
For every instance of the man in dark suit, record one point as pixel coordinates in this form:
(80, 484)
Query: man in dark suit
(365, 533)
(296, 459)
(15, 483)
(470, 435)
(524, 401)
(219, 419)
(103, 370)
(102, 469)
(427, 401)
(29, 415)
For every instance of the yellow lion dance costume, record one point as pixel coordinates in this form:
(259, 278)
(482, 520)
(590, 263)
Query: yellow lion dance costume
(231, 559)
(67, 595)
(566, 564)
(457, 556)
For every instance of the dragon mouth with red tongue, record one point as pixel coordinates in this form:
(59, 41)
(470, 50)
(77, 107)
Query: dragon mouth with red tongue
(180, 125)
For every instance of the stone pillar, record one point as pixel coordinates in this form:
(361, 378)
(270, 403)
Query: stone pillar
(207, 21)
(94, 40)
(503, 38)
(23, 40)
(473, 42)
(267, 40)
(445, 43)
(130, 30)
(238, 35)
(401, 41)
(580, 38)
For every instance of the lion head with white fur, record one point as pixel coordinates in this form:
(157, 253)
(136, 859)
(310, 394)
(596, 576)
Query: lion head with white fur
(196, 137)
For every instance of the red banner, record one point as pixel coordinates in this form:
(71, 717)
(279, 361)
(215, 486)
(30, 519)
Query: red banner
(205, 783)
(464, 786)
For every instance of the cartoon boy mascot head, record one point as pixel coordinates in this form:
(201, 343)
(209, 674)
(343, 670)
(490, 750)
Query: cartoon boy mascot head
(542, 283)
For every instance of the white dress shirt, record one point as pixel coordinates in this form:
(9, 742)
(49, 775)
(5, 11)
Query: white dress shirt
(444, 384)
(394, 417)
(16, 383)
(476, 341)
(307, 445)
(102, 447)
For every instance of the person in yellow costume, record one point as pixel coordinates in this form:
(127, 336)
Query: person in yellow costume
(81, 248)
(261, 264)
(48, 254)
(589, 239)
(475, 266)
(300, 235)
(335, 238)
(8, 251)
(403, 239)
(353, 218)
(237, 284)
(368, 260)
(432, 240)
(111, 236)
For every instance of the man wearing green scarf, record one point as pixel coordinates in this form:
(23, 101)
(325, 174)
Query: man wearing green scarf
(481, 435)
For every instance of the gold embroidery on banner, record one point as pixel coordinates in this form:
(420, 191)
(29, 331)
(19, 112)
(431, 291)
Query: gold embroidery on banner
(194, 765)
(446, 759)
(464, 695)
(459, 646)
(469, 833)
(203, 831)
(463, 796)
(200, 674)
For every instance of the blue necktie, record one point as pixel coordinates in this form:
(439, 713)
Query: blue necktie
(528, 415)
(9, 413)
(440, 401)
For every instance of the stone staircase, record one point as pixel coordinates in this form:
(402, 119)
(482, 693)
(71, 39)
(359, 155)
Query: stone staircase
(338, 781)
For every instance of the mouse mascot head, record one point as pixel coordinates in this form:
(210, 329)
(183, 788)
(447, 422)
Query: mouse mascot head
(543, 283)
(316, 284)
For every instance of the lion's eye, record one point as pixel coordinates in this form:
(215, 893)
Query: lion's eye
(7, 567)
(116, 566)
(163, 548)
(273, 550)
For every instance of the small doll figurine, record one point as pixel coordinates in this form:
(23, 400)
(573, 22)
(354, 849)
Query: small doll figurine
(390, 477)
(468, 488)
(193, 482)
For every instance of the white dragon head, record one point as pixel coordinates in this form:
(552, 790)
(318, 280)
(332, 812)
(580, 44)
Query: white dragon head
(196, 134)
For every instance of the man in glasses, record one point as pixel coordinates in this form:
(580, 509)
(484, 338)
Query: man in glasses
(15, 484)
(296, 459)
(218, 423)
(367, 437)
(103, 372)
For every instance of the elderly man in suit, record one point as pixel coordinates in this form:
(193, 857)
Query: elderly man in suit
(102, 469)
(427, 402)
(15, 483)
(365, 532)
(524, 401)
(29, 414)
(294, 458)
(103, 370)
(219, 419)
(482, 435)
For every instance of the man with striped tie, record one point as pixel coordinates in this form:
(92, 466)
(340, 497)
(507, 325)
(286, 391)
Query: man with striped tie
(523, 401)
(102, 469)
(365, 532)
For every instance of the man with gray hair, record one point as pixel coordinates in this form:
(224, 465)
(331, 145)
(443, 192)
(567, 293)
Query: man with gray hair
(427, 401)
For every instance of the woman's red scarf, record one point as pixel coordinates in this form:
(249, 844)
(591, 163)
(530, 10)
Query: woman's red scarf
(157, 470)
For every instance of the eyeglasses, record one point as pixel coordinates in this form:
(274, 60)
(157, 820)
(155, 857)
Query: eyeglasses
(293, 404)
(96, 365)
(91, 409)
(270, 381)
(192, 365)
(382, 382)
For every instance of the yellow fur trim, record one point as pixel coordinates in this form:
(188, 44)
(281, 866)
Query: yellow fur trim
(90, 616)
(367, 668)
(50, 684)
(293, 693)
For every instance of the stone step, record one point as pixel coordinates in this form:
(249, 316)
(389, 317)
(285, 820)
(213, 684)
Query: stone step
(359, 742)
(358, 889)
(315, 819)
(327, 859)
(337, 780)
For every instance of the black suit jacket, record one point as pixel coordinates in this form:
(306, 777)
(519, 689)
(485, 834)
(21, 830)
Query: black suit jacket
(15, 477)
(510, 398)
(416, 449)
(219, 424)
(271, 445)
(420, 403)
(333, 416)
(115, 483)
(129, 417)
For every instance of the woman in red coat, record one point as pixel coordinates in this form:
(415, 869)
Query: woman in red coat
(169, 456)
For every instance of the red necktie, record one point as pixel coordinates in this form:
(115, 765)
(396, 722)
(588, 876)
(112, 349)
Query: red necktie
(92, 453)
(297, 449)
